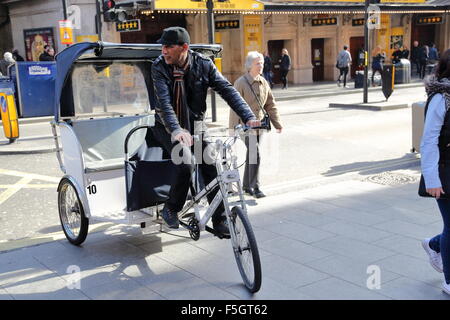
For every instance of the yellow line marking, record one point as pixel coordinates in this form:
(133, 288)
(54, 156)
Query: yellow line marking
(9, 192)
(29, 175)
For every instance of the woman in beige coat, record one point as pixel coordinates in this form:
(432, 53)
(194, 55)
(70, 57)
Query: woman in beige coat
(253, 87)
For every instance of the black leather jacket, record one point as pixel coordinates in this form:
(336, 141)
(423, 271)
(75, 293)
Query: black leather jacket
(201, 75)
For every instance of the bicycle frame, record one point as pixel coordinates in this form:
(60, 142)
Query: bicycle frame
(224, 180)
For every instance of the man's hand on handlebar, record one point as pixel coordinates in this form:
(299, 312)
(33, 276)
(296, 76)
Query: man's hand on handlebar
(184, 138)
(253, 123)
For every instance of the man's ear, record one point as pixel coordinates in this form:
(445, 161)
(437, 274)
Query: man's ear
(185, 47)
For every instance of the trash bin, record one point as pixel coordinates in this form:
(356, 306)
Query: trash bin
(417, 109)
(403, 71)
(8, 114)
(359, 79)
(387, 80)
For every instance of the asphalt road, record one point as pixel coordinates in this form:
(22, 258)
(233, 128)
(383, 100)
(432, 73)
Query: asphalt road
(317, 143)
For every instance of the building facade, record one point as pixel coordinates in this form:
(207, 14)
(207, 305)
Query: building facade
(313, 32)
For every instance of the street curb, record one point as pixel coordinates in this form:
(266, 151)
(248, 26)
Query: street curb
(46, 149)
(363, 106)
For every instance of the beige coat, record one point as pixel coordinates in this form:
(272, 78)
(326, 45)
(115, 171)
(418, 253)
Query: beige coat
(262, 89)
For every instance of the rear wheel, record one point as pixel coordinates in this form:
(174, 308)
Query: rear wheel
(245, 249)
(71, 213)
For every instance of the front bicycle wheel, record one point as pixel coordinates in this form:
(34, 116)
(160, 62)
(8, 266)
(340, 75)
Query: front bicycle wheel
(73, 221)
(245, 249)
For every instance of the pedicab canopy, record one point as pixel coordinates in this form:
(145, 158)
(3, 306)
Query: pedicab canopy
(83, 74)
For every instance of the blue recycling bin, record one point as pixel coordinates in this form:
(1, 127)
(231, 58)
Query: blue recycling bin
(36, 88)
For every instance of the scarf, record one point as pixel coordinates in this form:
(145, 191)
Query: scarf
(433, 86)
(179, 95)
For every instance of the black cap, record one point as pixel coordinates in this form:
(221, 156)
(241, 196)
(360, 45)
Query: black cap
(174, 35)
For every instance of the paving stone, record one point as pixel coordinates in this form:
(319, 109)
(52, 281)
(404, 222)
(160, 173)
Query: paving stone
(195, 289)
(349, 269)
(408, 229)
(289, 273)
(4, 295)
(337, 289)
(294, 250)
(355, 231)
(354, 249)
(270, 290)
(409, 289)
(354, 216)
(413, 268)
(123, 289)
(312, 219)
(47, 286)
(299, 232)
(403, 245)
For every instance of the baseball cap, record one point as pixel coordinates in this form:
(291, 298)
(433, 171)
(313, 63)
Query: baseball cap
(174, 35)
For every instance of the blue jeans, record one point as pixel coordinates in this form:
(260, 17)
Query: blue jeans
(441, 242)
(268, 76)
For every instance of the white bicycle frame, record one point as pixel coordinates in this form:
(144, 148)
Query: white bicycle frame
(225, 178)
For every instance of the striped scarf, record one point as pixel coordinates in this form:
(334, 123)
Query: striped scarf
(433, 86)
(179, 95)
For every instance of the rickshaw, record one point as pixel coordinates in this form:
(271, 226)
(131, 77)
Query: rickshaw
(112, 169)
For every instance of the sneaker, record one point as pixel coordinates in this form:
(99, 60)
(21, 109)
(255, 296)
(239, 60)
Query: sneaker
(222, 227)
(435, 258)
(170, 218)
(446, 287)
(258, 193)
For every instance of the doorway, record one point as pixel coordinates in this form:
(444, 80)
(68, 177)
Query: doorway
(425, 34)
(317, 59)
(356, 46)
(275, 47)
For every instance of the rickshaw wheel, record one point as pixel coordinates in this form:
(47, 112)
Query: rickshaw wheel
(245, 249)
(71, 213)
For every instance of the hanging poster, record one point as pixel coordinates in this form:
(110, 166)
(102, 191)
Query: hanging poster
(35, 40)
(252, 33)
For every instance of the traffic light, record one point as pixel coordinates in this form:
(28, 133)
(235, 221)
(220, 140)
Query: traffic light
(113, 14)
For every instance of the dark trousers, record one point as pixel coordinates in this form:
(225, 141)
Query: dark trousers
(416, 64)
(343, 71)
(441, 242)
(422, 67)
(284, 74)
(179, 189)
(268, 77)
(252, 162)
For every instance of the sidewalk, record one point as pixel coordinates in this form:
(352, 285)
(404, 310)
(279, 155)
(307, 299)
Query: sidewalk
(320, 243)
(31, 142)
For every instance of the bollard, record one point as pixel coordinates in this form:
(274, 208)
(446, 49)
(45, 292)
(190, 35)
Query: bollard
(8, 112)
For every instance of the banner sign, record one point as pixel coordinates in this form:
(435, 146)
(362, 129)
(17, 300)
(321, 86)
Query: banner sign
(252, 33)
(248, 5)
(35, 40)
(129, 25)
(430, 20)
(323, 22)
(65, 31)
(233, 24)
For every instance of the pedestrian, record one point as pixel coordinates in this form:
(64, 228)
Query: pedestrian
(267, 71)
(6, 62)
(285, 66)
(48, 54)
(435, 163)
(344, 60)
(423, 60)
(397, 54)
(257, 93)
(433, 54)
(405, 52)
(415, 57)
(181, 79)
(17, 56)
(378, 58)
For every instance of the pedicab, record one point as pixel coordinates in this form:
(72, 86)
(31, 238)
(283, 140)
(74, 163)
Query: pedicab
(112, 169)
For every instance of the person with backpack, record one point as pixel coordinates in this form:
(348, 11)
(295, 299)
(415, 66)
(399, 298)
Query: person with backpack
(435, 163)
(344, 60)
(378, 58)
